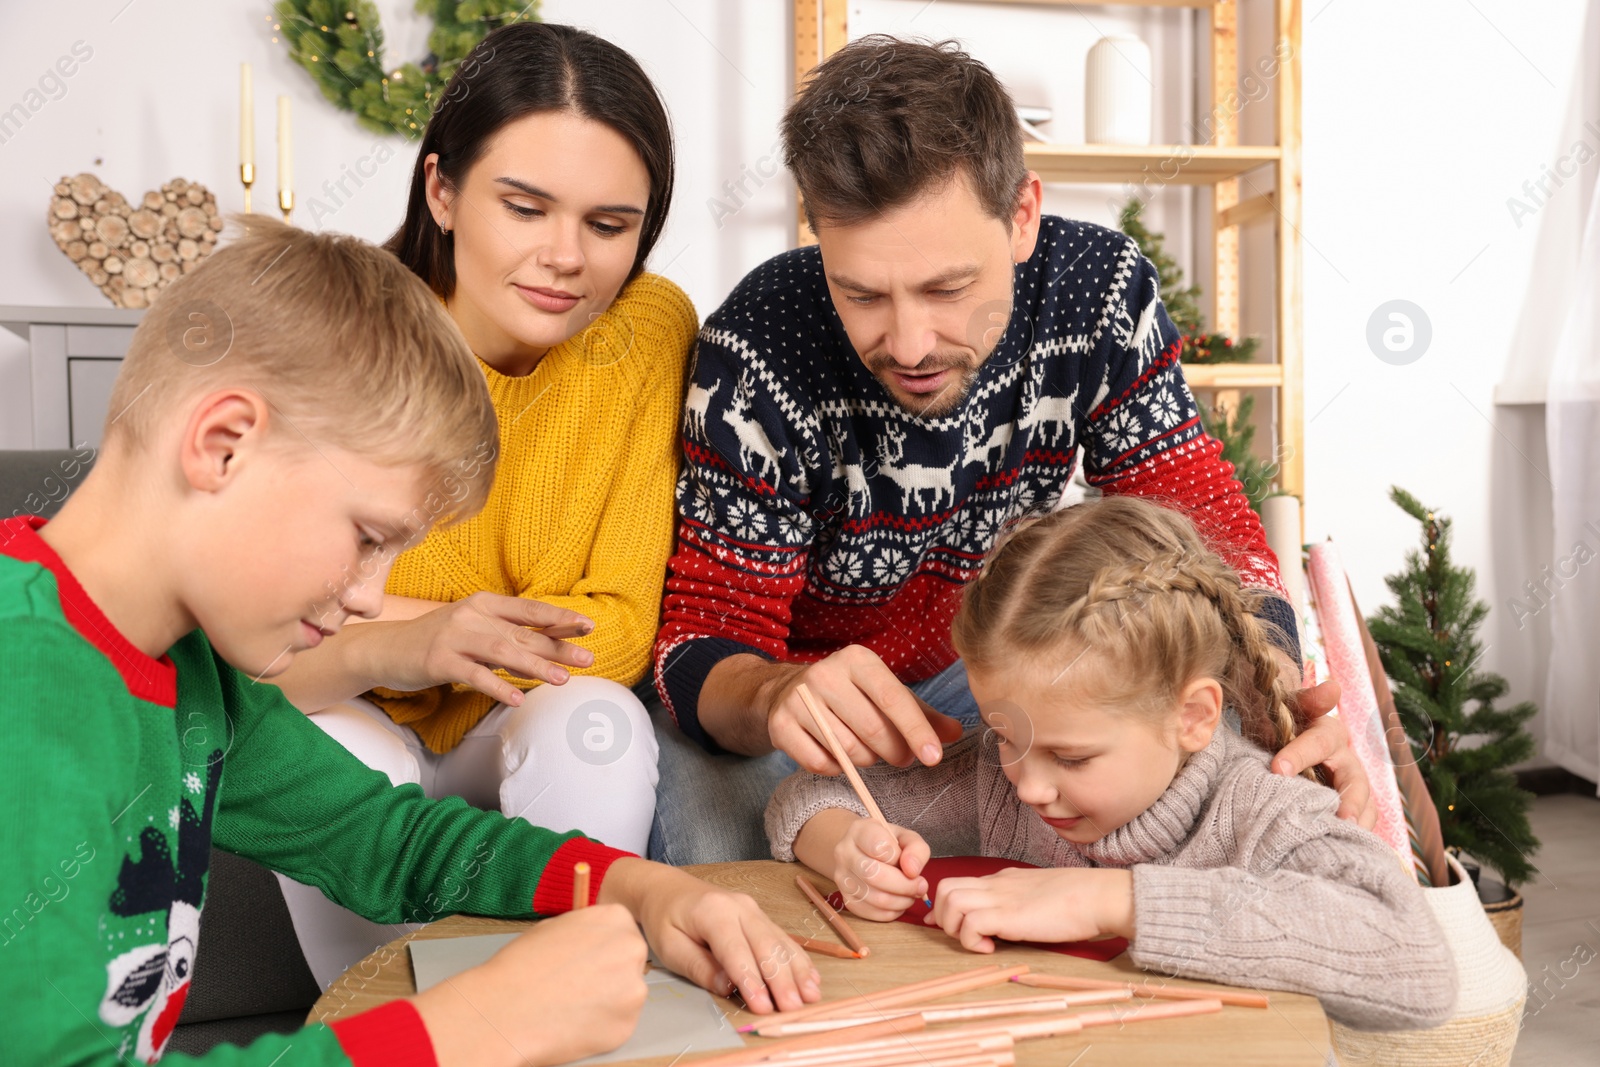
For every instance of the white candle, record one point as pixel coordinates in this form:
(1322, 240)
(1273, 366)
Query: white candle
(247, 121)
(285, 163)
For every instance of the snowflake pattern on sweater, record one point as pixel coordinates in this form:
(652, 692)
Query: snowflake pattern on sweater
(816, 513)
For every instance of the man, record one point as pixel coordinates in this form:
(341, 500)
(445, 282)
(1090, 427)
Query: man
(866, 416)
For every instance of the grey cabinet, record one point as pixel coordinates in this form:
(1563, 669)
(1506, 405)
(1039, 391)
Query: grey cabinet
(74, 356)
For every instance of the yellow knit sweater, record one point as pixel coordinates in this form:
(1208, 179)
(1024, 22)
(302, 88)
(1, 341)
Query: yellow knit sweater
(581, 512)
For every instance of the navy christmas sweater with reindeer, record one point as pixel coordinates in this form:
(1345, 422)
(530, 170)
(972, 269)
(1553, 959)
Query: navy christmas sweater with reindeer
(817, 513)
(122, 771)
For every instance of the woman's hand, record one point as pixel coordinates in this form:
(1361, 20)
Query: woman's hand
(570, 987)
(465, 641)
(1022, 904)
(716, 938)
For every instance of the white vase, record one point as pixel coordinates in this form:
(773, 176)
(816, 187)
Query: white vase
(1118, 92)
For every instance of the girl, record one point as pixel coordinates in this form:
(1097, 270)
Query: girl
(541, 185)
(1103, 643)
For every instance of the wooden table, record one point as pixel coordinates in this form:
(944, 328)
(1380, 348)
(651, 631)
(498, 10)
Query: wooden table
(1292, 1032)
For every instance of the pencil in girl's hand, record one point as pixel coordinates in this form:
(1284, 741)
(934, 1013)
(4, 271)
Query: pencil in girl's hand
(580, 885)
(843, 760)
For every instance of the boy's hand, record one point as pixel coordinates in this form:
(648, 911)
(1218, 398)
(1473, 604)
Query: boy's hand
(879, 870)
(1021, 904)
(570, 987)
(716, 938)
(465, 641)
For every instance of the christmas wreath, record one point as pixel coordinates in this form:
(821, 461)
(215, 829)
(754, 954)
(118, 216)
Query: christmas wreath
(340, 42)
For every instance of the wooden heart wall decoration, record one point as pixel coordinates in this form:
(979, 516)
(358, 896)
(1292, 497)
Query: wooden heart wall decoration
(133, 251)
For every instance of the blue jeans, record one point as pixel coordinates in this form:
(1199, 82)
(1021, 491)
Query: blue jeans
(710, 808)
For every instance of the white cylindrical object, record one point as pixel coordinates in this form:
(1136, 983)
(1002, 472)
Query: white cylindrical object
(1118, 92)
(247, 121)
(1280, 517)
(285, 158)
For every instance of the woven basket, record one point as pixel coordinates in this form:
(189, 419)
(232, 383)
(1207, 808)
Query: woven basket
(1493, 987)
(1506, 918)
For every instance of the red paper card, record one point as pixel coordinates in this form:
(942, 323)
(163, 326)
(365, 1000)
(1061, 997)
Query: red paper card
(938, 870)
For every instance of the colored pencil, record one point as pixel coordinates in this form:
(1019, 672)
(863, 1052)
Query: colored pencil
(580, 885)
(917, 1056)
(955, 1012)
(825, 948)
(1144, 1012)
(849, 1003)
(1145, 989)
(752, 1054)
(877, 1002)
(843, 760)
(840, 927)
(966, 1043)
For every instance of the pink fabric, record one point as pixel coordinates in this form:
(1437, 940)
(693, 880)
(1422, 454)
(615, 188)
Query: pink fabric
(938, 870)
(1358, 703)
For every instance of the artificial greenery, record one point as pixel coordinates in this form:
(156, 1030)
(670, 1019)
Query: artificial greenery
(340, 43)
(1429, 647)
(1231, 427)
(1181, 301)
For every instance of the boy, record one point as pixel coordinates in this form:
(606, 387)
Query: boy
(289, 417)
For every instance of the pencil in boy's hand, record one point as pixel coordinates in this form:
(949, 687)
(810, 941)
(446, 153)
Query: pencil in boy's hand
(843, 760)
(580, 885)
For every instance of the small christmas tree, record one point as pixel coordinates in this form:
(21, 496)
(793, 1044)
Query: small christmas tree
(1429, 646)
(1199, 346)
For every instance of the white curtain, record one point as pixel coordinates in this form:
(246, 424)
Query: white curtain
(1544, 581)
(1572, 434)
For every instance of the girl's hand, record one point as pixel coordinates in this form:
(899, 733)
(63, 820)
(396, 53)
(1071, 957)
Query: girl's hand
(1021, 904)
(465, 641)
(878, 870)
(570, 987)
(718, 939)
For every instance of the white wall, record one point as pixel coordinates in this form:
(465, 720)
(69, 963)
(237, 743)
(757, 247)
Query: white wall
(1420, 121)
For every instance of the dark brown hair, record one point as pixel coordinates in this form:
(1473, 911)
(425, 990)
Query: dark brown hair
(522, 69)
(883, 121)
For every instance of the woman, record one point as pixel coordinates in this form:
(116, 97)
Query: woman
(498, 670)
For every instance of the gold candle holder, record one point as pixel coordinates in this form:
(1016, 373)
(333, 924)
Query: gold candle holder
(286, 203)
(247, 175)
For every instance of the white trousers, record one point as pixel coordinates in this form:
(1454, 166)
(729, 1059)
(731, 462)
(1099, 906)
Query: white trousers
(579, 756)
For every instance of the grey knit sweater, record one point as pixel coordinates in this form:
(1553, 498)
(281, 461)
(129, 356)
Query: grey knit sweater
(1239, 875)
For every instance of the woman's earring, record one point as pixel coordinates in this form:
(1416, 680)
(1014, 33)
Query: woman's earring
(443, 229)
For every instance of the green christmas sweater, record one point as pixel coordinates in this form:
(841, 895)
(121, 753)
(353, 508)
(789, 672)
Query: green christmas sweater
(122, 771)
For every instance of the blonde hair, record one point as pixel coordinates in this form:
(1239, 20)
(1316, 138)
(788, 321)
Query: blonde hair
(1133, 588)
(347, 346)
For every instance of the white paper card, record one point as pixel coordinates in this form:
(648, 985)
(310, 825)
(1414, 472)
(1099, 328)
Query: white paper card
(678, 1016)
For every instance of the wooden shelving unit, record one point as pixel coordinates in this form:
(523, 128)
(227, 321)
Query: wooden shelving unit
(1171, 164)
(820, 29)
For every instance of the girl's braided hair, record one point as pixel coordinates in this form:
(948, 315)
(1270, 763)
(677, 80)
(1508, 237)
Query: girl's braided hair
(1131, 589)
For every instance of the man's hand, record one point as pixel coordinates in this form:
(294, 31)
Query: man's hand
(716, 938)
(875, 715)
(1324, 741)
